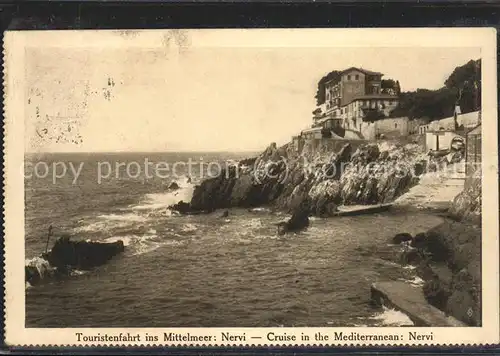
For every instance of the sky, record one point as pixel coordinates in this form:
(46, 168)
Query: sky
(144, 91)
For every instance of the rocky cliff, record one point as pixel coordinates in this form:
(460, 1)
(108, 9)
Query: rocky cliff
(449, 256)
(467, 205)
(324, 176)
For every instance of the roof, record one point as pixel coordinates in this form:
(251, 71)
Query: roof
(366, 71)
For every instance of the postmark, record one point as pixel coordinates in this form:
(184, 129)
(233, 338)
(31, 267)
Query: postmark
(251, 187)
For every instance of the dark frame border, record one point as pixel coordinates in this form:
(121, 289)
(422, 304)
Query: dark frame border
(63, 15)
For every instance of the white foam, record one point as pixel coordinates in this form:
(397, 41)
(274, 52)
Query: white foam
(417, 281)
(143, 248)
(103, 225)
(253, 223)
(263, 210)
(123, 217)
(127, 240)
(43, 267)
(163, 200)
(392, 317)
(140, 244)
(188, 227)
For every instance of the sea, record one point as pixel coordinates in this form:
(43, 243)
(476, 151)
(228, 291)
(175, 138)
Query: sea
(201, 270)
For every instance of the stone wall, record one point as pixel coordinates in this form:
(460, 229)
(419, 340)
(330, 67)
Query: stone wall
(466, 206)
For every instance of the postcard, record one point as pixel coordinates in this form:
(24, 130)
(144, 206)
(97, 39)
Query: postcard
(248, 187)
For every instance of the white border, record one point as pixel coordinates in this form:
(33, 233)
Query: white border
(15, 44)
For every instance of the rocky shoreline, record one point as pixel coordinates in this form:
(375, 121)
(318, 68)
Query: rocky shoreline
(317, 180)
(317, 177)
(448, 256)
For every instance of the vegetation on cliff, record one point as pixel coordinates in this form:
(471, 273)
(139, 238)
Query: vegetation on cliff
(463, 86)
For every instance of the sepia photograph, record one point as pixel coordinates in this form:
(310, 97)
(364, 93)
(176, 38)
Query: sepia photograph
(174, 181)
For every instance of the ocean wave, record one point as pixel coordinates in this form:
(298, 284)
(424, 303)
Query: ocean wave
(392, 317)
(253, 223)
(42, 265)
(123, 217)
(109, 223)
(261, 210)
(142, 248)
(141, 244)
(127, 240)
(154, 201)
(188, 227)
(416, 281)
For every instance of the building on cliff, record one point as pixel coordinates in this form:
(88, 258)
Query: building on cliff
(354, 98)
(473, 149)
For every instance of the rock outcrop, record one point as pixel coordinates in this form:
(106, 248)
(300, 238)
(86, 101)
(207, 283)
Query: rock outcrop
(173, 186)
(448, 259)
(298, 221)
(82, 255)
(325, 176)
(467, 205)
(67, 255)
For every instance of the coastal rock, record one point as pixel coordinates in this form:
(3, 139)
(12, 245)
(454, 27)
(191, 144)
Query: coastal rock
(181, 207)
(365, 154)
(67, 255)
(298, 221)
(419, 240)
(324, 198)
(402, 237)
(454, 247)
(247, 162)
(242, 191)
(214, 193)
(410, 257)
(436, 293)
(285, 179)
(463, 307)
(467, 205)
(173, 186)
(82, 254)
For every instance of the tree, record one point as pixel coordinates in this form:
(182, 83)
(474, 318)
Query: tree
(466, 81)
(320, 92)
(463, 86)
(372, 115)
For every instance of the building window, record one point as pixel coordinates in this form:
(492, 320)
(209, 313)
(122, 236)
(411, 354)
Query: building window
(357, 77)
(395, 126)
(348, 77)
